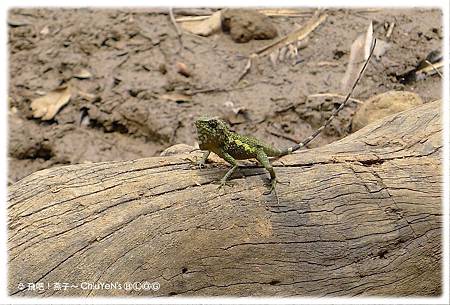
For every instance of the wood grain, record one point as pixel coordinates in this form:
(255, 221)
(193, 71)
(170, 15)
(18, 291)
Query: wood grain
(362, 216)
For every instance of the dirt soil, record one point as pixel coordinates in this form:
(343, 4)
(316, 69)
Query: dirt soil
(135, 104)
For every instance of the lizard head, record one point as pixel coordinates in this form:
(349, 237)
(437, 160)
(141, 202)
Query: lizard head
(211, 131)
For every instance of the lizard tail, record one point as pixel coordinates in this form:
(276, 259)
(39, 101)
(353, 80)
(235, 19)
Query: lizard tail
(290, 150)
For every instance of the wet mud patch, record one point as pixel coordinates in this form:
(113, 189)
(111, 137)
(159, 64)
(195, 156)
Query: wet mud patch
(129, 100)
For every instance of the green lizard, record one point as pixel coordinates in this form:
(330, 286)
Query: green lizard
(215, 136)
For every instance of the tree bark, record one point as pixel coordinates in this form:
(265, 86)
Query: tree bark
(362, 216)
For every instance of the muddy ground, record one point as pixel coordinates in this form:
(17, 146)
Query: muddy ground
(133, 103)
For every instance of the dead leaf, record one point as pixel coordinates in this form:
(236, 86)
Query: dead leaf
(298, 34)
(205, 27)
(390, 29)
(286, 12)
(267, 12)
(273, 57)
(47, 107)
(177, 97)
(87, 96)
(287, 47)
(359, 52)
(18, 22)
(247, 67)
(290, 52)
(233, 114)
(426, 67)
(235, 110)
(431, 69)
(381, 48)
(82, 74)
(327, 64)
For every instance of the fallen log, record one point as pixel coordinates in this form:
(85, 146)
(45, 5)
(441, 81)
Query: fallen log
(362, 216)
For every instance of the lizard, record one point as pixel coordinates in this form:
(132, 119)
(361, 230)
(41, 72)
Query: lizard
(214, 135)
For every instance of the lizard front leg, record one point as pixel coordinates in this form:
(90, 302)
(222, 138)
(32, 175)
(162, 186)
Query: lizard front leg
(227, 157)
(202, 161)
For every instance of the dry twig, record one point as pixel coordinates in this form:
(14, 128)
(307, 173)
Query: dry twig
(435, 67)
(334, 95)
(390, 29)
(296, 35)
(177, 28)
(267, 12)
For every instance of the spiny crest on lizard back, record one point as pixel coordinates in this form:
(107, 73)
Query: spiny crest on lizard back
(211, 130)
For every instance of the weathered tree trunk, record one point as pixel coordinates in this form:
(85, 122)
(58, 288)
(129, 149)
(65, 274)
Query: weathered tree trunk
(362, 216)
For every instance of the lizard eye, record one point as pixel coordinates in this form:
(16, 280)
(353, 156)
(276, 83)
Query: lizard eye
(212, 123)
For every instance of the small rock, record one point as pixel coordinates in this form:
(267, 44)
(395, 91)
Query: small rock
(45, 30)
(177, 149)
(245, 25)
(182, 69)
(383, 105)
(162, 68)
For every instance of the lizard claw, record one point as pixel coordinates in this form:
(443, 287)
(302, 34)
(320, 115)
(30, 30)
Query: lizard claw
(201, 164)
(273, 183)
(196, 163)
(222, 183)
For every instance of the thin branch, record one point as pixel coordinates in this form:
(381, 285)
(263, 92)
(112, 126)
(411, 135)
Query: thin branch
(436, 67)
(335, 95)
(296, 35)
(390, 29)
(177, 28)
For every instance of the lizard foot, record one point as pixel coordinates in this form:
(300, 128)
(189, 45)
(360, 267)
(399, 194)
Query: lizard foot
(201, 164)
(273, 183)
(195, 163)
(223, 182)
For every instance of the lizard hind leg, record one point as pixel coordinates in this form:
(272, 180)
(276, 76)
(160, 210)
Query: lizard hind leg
(264, 160)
